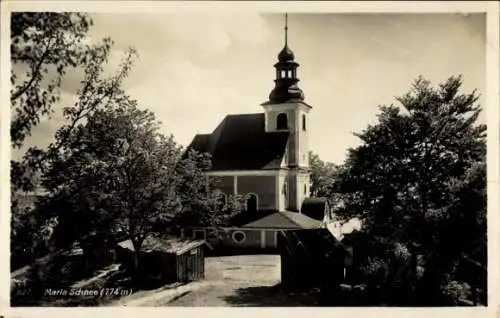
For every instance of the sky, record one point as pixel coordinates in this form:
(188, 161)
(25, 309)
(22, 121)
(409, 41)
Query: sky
(194, 69)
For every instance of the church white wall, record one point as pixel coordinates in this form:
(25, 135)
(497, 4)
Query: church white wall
(298, 144)
(303, 186)
(280, 192)
(302, 137)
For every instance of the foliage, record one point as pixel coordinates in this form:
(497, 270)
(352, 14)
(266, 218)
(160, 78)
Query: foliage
(418, 181)
(323, 175)
(116, 173)
(323, 179)
(24, 229)
(43, 46)
(108, 168)
(46, 48)
(214, 210)
(455, 291)
(217, 209)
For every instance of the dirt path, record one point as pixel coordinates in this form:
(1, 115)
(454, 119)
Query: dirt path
(229, 281)
(235, 281)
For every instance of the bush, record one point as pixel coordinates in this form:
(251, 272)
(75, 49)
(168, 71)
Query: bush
(388, 276)
(375, 269)
(455, 293)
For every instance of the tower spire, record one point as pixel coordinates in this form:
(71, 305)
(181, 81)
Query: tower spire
(286, 29)
(286, 88)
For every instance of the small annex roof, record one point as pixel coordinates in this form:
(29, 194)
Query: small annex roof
(314, 208)
(167, 245)
(285, 220)
(313, 242)
(240, 142)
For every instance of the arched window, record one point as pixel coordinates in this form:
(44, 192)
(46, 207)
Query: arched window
(282, 121)
(252, 202)
(304, 122)
(305, 188)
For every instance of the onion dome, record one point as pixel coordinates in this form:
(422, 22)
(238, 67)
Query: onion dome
(286, 55)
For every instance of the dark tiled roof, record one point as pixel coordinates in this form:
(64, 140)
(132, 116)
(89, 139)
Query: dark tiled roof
(312, 242)
(314, 208)
(200, 142)
(171, 245)
(245, 217)
(285, 220)
(241, 143)
(187, 219)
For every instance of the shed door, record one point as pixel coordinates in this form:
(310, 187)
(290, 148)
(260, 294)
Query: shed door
(191, 264)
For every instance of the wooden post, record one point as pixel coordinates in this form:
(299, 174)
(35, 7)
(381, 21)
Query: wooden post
(263, 239)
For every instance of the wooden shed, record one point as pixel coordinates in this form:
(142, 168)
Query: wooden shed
(310, 258)
(169, 259)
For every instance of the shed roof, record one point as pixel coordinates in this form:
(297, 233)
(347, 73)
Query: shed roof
(285, 220)
(312, 242)
(166, 245)
(314, 208)
(240, 142)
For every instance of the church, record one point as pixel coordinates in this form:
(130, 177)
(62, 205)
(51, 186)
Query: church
(264, 157)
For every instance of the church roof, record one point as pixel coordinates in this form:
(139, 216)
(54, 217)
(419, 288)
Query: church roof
(240, 142)
(285, 220)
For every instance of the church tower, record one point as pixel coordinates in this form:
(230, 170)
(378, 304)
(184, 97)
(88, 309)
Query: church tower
(286, 111)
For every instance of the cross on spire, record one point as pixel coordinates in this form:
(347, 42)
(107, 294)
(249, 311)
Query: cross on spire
(286, 80)
(286, 29)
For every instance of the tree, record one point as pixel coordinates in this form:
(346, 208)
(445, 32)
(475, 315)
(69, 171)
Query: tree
(45, 46)
(462, 233)
(203, 204)
(399, 181)
(118, 173)
(323, 175)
